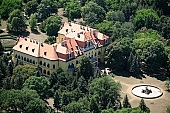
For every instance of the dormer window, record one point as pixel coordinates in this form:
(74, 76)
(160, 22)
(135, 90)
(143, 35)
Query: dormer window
(26, 48)
(20, 46)
(69, 55)
(33, 50)
(106, 41)
(45, 53)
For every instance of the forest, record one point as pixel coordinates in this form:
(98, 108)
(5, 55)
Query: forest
(140, 43)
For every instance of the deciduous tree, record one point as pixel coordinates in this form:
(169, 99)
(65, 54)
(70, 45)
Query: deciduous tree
(33, 22)
(31, 7)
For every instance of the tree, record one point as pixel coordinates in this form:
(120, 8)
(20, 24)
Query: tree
(1, 48)
(12, 5)
(31, 7)
(106, 91)
(45, 8)
(168, 109)
(110, 110)
(117, 54)
(50, 40)
(167, 84)
(16, 21)
(33, 22)
(101, 3)
(73, 10)
(53, 24)
(115, 16)
(105, 27)
(85, 68)
(143, 106)
(93, 13)
(126, 103)
(25, 70)
(36, 106)
(75, 107)
(82, 84)
(146, 18)
(56, 100)
(16, 100)
(40, 84)
(64, 100)
(93, 106)
(155, 56)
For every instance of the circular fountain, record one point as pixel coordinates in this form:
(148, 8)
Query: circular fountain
(147, 91)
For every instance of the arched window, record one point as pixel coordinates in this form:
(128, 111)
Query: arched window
(16, 56)
(53, 66)
(44, 64)
(48, 65)
(33, 61)
(30, 60)
(27, 59)
(44, 71)
(40, 62)
(24, 58)
(21, 57)
(48, 72)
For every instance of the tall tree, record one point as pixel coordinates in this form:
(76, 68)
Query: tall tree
(143, 106)
(56, 101)
(33, 22)
(93, 106)
(94, 9)
(8, 6)
(45, 9)
(53, 24)
(117, 53)
(16, 21)
(31, 7)
(126, 103)
(105, 91)
(146, 18)
(73, 9)
(86, 68)
(40, 84)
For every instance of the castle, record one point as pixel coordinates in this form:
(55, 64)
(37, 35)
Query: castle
(72, 43)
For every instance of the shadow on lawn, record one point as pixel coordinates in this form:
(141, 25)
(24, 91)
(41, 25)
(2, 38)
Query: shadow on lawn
(21, 34)
(125, 73)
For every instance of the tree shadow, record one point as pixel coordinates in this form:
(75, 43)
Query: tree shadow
(125, 73)
(35, 31)
(20, 34)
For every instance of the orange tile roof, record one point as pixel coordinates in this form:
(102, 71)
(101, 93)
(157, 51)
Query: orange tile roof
(36, 48)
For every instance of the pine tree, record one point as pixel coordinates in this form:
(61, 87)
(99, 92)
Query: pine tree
(143, 106)
(65, 100)
(126, 103)
(94, 107)
(56, 101)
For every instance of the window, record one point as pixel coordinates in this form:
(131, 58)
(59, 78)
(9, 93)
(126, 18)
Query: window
(33, 61)
(16, 56)
(44, 71)
(26, 48)
(106, 41)
(53, 66)
(30, 60)
(44, 64)
(48, 72)
(21, 57)
(45, 53)
(24, 58)
(40, 62)
(99, 52)
(95, 54)
(69, 55)
(27, 59)
(48, 65)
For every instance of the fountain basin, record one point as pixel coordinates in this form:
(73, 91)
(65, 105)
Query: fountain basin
(141, 91)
